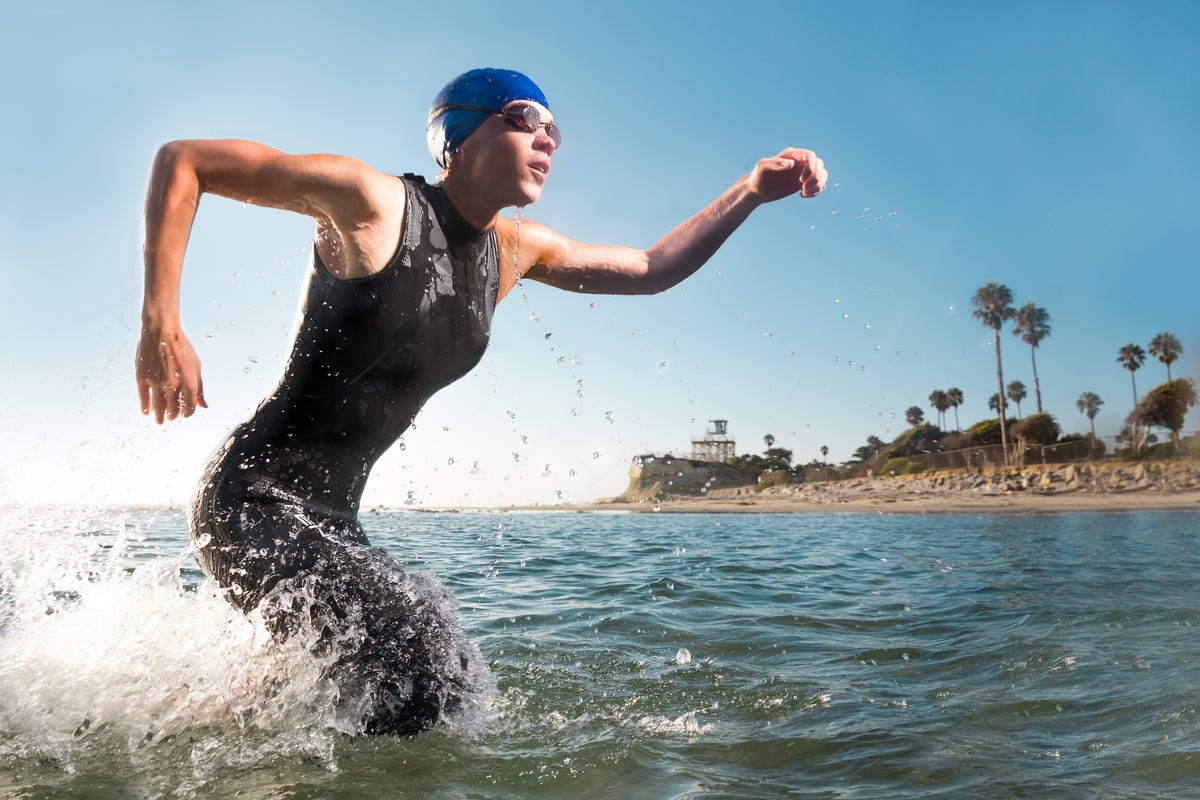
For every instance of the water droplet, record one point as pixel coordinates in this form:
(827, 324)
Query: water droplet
(534, 317)
(591, 305)
(571, 474)
(516, 456)
(596, 454)
(548, 334)
(575, 360)
(837, 300)
(867, 325)
(450, 460)
(949, 308)
(403, 446)
(845, 316)
(608, 415)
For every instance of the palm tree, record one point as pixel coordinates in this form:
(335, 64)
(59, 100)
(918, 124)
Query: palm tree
(955, 396)
(1166, 348)
(1089, 403)
(1016, 393)
(768, 440)
(1131, 357)
(914, 415)
(1032, 324)
(824, 452)
(993, 307)
(940, 401)
(994, 402)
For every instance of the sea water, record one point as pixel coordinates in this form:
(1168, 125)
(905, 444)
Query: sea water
(633, 656)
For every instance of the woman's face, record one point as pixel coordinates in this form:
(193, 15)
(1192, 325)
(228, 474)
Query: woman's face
(505, 163)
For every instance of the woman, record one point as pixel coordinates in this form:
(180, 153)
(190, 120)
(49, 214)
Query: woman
(400, 296)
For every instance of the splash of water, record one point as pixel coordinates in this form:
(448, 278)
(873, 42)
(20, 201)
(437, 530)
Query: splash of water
(111, 648)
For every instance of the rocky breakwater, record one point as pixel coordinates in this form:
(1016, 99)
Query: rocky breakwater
(1106, 477)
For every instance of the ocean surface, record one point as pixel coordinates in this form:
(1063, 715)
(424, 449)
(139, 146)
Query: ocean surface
(633, 656)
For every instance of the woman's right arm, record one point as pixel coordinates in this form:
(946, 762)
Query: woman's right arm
(348, 199)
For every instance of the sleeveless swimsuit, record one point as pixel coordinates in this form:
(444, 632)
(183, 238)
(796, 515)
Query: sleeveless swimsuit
(275, 520)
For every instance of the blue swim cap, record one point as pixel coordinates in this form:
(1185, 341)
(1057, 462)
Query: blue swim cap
(489, 88)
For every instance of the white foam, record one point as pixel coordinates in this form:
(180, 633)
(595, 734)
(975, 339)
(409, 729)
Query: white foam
(90, 648)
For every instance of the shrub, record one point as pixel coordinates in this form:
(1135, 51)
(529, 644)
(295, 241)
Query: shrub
(899, 466)
(1036, 429)
(925, 438)
(983, 432)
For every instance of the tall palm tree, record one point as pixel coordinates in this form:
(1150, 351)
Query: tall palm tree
(1016, 393)
(994, 402)
(1131, 357)
(993, 307)
(824, 452)
(1166, 348)
(940, 401)
(768, 440)
(955, 396)
(1032, 324)
(1089, 403)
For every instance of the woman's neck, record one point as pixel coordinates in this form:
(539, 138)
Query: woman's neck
(472, 204)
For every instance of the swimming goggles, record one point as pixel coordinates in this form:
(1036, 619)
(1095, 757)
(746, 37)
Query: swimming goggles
(521, 115)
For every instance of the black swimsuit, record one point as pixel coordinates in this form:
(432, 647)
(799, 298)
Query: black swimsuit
(275, 519)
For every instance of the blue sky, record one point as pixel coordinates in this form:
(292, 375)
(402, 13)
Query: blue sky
(1048, 146)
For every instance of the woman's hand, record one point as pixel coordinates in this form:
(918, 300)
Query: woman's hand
(168, 374)
(793, 170)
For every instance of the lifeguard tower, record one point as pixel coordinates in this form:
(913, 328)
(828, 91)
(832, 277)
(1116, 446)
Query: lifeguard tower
(716, 444)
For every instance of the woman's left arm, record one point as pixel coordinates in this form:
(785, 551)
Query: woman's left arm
(608, 269)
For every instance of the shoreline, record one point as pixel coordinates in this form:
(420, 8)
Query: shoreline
(913, 503)
(1030, 489)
